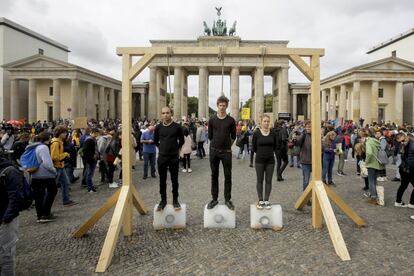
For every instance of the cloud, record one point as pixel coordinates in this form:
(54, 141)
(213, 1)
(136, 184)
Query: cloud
(7, 6)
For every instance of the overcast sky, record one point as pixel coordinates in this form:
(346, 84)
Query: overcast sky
(92, 29)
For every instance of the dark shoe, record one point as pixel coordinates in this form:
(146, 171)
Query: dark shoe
(365, 189)
(176, 205)
(396, 179)
(373, 201)
(279, 178)
(331, 184)
(291, 166)
(153, 176)
(212, 204)
(144, 177)
(44, 220)
(309, 203)
(75, 179)
(51, 216)
(161, 206)
(229, 204)
(251, 165)
(92, 191)
(69, 203)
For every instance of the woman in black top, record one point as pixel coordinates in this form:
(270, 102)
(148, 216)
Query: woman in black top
(264, 145)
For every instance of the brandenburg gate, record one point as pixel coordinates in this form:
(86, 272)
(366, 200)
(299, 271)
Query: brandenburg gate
(182, 66)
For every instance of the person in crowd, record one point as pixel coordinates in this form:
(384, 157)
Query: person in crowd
(112, 152)
(360, 154)
(251, 130)
(9, 216)
(185, 152)
(328, 157)
(149, 151)
(90, 155)
(200, 139)
(19, 146)
(71, 162)
(169, 138)
(243, 143)
(380, 135)
(85, 135)
(264, 145)
(406, 169)
(221, 133)
(282, 137)
(340, 145)
(44, 179)
(304, 142)
(59, 156)
(102, 143)
(372, 147)
(8, 138)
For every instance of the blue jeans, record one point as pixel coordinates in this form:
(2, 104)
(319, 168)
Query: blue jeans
(293, 160)
(8, 240)
(327, 166)
(372, 182)
(306, 171)
(63, 182)
(149, 157)
(90, 170)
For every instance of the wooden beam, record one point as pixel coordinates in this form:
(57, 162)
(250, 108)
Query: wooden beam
(304, 198)
(316, 211)
(302, 66)
(114, 229)
(316, 120)
(137, 201)
(230, 51)
(110, 202)
(139, 66)
(344, 207)
(331, 223)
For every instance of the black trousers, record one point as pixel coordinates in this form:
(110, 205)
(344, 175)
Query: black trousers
(200, 149)
(166, 163)
(187, 161)
(225, 158)
(406, 178)
(103, 169)
(264, 171)
(111, 170)
(281, 155)
(44, 193)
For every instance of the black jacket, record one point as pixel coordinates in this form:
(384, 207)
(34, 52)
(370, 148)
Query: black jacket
(89, 150)
(9, 198)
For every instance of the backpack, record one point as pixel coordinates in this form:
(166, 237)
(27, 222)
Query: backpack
(24, 191)
(29, 161)
(382, 157)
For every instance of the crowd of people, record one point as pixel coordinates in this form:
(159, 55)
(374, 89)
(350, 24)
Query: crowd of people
(162, 145)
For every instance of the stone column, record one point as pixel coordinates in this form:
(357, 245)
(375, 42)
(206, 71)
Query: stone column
(178, 87)
(323, 105)
(398, 103)
(184, 94)
(283, 87)
(142, 107)
(111, 103)
(74, 98)
(14, 100)
(342, 102)
(253, 98)
(89, 101)
(119, 104)
(56, 99)
(356, 109)
(152, 97)
(308, 106)
(32, 101)
(202, 91)
(332, 104)
(275, 93)
(207, 98)
(259, 96)
(294, 107)
(102, 113)
(234, 92)
(374, 101)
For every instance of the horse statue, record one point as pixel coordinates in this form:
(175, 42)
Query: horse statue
(233, 29)
(207, 30)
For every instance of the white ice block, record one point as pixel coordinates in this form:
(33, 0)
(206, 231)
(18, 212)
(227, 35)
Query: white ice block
(266, 218)
(219, 217)
(169, 217)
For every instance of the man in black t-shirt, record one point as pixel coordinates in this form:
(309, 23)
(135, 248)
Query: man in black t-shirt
(221, 133)
(169, 138)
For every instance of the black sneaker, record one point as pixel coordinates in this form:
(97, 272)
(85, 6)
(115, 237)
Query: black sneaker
(176, 205)
(44, 220)
(70, 203)
(161, 206)
(212, 204)
(331, 184)
(229, 204)
(395, 179)
(144, 177)
(51, 216)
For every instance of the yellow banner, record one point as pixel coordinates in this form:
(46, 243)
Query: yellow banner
(245, 113)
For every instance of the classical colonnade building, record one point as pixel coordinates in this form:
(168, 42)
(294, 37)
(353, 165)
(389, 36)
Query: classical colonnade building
(235, 66)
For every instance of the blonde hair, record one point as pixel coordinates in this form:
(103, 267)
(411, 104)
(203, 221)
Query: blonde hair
(359, 149)
(329, 137)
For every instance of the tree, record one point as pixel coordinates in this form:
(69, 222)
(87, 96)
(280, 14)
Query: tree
(192, 105)
(268, 103)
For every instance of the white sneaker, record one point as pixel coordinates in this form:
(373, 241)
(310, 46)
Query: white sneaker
(189, 170)
(113, 185)
(184, 170)
(412, 217)
(268, 205)
(402, 204)
(411, 206)
(380, 179)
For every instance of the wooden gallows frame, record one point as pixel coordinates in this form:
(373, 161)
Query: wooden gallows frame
(127, 197)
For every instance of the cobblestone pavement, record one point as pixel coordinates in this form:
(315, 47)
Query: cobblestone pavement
(384, 247)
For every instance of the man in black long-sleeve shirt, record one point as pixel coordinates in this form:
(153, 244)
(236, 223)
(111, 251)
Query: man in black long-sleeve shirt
(221, 133)
(169, 138)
